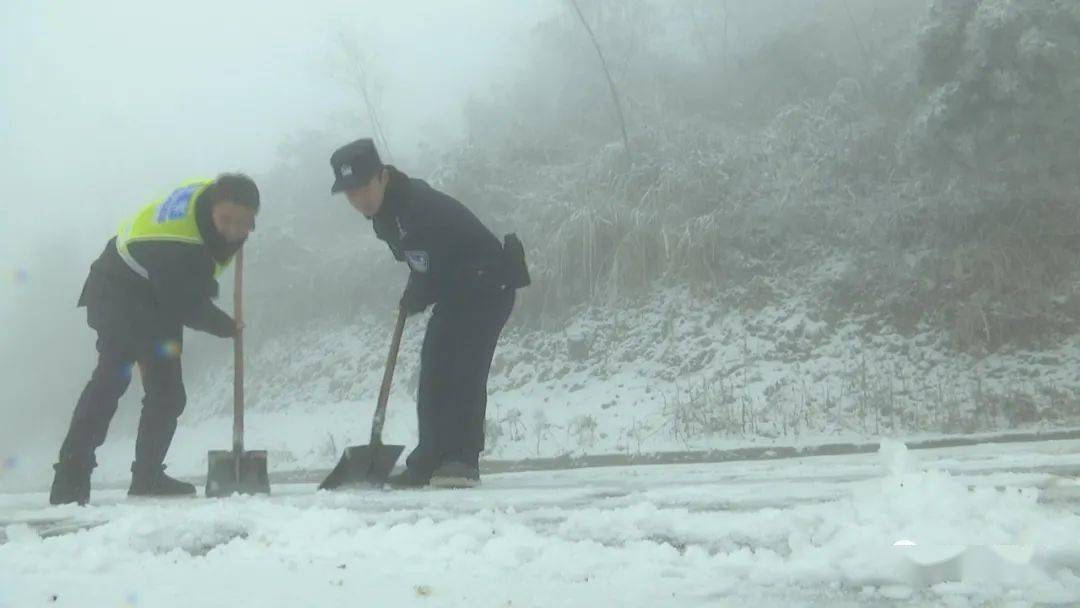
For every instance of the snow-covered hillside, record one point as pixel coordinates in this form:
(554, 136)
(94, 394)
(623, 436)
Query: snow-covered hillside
(679, 373)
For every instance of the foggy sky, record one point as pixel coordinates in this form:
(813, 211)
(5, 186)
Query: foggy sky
(103, 100)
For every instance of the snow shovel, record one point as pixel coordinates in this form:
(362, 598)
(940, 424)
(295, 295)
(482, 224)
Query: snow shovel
(236, 471)
(371, 464)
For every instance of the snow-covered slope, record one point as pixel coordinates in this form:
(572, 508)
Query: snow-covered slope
(675, 373)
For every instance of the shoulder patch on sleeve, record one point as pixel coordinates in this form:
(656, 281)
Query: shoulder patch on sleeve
(418, 261)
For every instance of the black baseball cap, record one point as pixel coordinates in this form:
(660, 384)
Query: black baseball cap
(354, 165)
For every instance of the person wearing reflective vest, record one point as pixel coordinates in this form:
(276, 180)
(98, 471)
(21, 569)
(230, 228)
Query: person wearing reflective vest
(156, 276)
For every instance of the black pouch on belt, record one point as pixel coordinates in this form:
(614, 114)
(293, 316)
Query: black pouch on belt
(515, 268)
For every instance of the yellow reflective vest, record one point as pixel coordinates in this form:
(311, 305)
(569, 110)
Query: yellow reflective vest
(169, 219)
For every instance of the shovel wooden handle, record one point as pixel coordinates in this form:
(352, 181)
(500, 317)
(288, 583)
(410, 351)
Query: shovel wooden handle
(388, 377)
(238, 358)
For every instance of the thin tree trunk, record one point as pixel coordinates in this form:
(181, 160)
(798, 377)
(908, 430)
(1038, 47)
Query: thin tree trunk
(357, 73)
(858, 37)
(727, 68)
(610, 81)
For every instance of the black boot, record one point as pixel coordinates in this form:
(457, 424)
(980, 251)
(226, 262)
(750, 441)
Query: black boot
(409, 478)
(71, 482)
(456, 475)
(152, 481)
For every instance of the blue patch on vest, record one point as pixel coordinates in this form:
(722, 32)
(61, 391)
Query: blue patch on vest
(176, 206)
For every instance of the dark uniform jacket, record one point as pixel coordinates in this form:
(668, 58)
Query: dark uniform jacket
(452, 257)
(178, 292)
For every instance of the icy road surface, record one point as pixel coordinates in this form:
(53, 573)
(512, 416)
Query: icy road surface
(801, 532)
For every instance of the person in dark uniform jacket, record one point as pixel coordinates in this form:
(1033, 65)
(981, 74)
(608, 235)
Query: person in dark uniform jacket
(156, 276)
(458, 266)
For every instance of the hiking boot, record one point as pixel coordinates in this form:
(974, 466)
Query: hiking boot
(71, 482)
(456, 475)
(407, 479)
(152, 481)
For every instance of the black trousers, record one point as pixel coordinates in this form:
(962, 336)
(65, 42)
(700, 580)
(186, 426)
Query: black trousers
(454, 365)
(157, 354)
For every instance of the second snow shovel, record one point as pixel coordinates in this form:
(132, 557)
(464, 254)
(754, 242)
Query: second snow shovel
(371, 464)
(236, 471)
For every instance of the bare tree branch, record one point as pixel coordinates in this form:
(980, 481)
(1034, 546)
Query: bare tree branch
(357, 74)
(727, 66)
(858, 37)
(610, 81)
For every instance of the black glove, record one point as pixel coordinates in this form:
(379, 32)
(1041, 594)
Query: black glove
(212, 320)
(416, 298)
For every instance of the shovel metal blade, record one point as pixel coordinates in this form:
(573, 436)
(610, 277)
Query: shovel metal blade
(363, 465)
(222, 479)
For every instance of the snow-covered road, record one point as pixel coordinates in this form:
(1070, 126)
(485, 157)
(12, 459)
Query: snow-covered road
(801, 532)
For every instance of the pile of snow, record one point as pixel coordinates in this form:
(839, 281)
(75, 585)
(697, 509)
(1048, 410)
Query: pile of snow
(762, 534)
